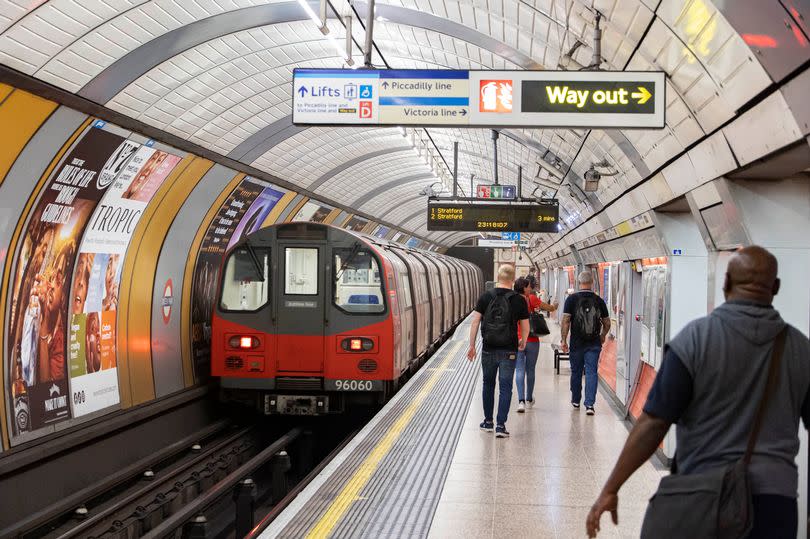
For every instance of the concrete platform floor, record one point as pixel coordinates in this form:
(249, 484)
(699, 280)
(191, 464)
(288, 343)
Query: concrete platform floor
(540, 482)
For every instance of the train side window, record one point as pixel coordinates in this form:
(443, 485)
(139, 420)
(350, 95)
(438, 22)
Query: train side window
(245, 286)
(358, 287)
(301, 271)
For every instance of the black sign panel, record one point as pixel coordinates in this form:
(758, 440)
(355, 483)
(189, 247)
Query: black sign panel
(625, 97)
(540, 217)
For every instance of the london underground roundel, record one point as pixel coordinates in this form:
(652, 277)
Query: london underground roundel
(168, 300)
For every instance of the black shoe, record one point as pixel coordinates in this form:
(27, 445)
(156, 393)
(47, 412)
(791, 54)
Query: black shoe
(589, 410)
(501, 432)
(575, 405)
(487, 426)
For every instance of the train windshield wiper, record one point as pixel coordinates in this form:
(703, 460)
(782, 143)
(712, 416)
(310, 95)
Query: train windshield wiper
(355, 249)
(255, 259)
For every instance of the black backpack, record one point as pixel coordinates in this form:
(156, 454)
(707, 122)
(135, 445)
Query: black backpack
(497, 329)
(587, 318)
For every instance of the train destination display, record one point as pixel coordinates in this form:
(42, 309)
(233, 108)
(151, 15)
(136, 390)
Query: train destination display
(539, 217)
(470, 98)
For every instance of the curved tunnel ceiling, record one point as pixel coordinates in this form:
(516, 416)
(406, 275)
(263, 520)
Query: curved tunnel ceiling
(218, 73)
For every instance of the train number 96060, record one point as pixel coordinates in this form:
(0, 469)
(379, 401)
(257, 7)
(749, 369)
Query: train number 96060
(354, 385)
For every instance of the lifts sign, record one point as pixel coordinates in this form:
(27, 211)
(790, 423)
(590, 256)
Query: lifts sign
(591, 99)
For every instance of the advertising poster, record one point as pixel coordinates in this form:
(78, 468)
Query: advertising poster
(250, 197)
(40, 306)
(312, 212)
(413, 243)
(382, 231)
(356, 224)
(92, 358)
(256, 214)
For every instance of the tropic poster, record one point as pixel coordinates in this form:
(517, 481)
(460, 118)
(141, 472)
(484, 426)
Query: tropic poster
(248, 199)
(92, 357)
(38, 318)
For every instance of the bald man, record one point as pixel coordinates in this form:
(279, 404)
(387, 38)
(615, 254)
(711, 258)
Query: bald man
(710, 384)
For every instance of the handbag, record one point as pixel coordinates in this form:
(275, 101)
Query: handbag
(537, 325)
(716, 503)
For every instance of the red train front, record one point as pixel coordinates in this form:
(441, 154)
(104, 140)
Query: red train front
(312, 319)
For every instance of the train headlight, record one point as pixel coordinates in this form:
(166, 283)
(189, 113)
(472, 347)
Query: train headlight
(357, 344)
(243, 342)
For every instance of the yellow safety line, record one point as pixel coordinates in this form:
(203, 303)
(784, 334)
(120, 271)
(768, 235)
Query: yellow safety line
(351, 491)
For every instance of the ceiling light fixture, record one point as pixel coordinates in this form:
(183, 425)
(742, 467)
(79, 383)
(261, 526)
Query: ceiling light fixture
(320, 22)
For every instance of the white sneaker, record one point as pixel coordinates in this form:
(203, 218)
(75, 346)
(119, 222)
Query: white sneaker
(521, 407)
(531, 403)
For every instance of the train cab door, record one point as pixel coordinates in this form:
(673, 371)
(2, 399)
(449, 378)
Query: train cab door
(299, 307)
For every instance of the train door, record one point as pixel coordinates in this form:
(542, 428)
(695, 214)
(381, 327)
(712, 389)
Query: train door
(646, 315)
(633, 330)
(660, 317)
(620, 279)
(299, 306)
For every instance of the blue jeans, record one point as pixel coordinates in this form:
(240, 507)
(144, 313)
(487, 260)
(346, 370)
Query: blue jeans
(501, 365)
(524, 371)
(587, 357)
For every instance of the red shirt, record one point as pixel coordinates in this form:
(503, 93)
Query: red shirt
(534, 303)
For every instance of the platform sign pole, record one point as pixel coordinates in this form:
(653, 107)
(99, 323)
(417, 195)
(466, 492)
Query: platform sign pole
(520, 182)
(495, 154)
(455, 170)
(369, 33)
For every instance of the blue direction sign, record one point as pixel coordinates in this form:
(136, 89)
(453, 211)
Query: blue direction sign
(479, 98)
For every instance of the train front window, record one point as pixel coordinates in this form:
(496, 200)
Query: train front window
(358, 287)
(301, 278)
(245, 285)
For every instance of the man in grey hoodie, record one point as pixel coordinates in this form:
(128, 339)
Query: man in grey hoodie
(710, 383)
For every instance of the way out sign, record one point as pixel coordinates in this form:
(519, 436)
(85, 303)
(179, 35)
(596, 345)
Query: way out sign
(587, 99)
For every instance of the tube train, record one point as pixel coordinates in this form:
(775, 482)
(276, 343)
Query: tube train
(313, 319)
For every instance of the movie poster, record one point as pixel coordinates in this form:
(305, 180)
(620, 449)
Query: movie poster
(39, 314)
(243, 212)
(92, 357)
(312, 212)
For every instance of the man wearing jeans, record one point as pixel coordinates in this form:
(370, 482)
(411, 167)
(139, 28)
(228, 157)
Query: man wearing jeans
(586, 316)
(501, 311)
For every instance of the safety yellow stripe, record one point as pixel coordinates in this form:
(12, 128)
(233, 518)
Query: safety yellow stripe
(21, 114)
(332, 216)
(188, 279)
(296, 209)
(138, 277)
(276, 212)
(351, 491)
(12, 248)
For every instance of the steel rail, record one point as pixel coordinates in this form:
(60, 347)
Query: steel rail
(162, 478)
(168, 526)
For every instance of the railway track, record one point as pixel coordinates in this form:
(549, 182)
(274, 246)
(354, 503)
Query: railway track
(219, 482)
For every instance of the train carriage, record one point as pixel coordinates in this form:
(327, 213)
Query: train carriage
(311, 318)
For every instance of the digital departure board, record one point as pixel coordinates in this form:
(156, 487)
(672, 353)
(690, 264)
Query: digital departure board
(536, 217)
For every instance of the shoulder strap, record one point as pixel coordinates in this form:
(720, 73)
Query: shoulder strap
(770, 388)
